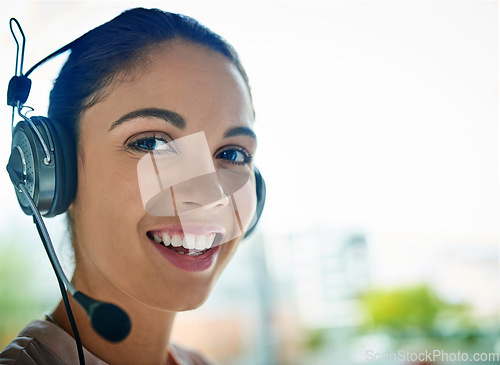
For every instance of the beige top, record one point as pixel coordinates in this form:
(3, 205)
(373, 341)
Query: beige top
(44, 343)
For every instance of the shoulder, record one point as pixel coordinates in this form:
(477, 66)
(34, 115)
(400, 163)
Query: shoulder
(18, 352)
(43, 343)
(28, 347)
(185, 356)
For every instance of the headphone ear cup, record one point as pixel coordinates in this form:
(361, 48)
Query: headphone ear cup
(260, 189)
(28, 159)
(52, 185)
(65, 167)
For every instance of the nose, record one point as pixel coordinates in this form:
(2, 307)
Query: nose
(204, 192)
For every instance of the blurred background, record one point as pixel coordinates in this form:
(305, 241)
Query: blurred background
(378, 140)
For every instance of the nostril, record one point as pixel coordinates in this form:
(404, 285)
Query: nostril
(219, 203)
(208, 204)
(189, 205)
(192, 203)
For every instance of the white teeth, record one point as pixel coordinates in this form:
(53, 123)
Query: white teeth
(189, 241)
(201, 242)
(195, 253)
(176, 241)
(166, 239)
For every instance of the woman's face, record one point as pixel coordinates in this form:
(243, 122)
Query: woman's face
(189, 105)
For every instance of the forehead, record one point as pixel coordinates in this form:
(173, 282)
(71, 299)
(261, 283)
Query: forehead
(200, 84)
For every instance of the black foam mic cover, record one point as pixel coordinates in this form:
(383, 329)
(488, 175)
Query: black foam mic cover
(18, 91)
(108, 320)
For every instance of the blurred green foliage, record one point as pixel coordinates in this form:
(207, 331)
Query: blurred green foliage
(315, 338)
(412, 309)
(21, 300)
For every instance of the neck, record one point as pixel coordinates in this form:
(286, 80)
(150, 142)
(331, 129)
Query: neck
(147, 342)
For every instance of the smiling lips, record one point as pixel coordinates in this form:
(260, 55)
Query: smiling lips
(195, 250)
(183, 257)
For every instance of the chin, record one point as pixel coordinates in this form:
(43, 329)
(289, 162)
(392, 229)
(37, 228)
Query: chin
(191, 304)
(177, 290)
(180, 300)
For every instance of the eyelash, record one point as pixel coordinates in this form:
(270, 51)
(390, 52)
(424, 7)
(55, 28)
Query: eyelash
(247, 156)
(134, 141)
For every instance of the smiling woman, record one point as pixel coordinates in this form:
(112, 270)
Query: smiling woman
(165, 189)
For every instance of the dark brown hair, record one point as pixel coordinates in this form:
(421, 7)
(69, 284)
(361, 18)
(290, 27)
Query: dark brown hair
(116, 46)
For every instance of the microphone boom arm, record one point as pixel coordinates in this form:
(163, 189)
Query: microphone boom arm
(61, 277)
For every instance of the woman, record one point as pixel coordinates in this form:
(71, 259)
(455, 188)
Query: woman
(148, 96)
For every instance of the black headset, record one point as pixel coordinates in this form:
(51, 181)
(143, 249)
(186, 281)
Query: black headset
(43, 153)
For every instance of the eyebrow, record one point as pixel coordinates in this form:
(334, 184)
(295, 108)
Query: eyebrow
(240, 131)
(169, 116)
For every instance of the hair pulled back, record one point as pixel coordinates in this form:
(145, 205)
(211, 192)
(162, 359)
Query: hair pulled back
(116, 46)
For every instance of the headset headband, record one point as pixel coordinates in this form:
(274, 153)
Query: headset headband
(20, 85)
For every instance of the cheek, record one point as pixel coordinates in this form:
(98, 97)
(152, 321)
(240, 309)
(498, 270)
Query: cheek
(246, 202)
(108, 184)
(108, 203)
(239, 186)
(108, 211)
